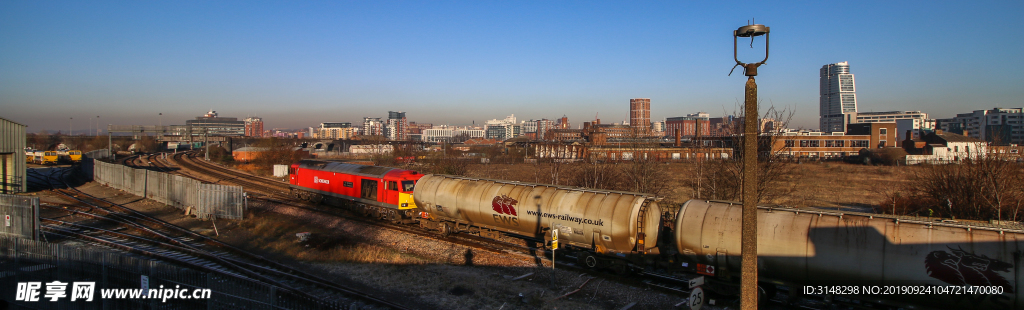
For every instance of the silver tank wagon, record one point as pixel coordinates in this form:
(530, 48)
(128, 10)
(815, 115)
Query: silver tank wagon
(603, 221)
(799, 247)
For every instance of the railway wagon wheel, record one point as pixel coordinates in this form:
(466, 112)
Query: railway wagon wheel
(393, 216)
(587, 260)
(445, 230)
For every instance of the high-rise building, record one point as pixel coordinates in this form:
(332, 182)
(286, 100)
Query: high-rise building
(397, 126)
(373, 126)
(640, 114)
(253, 127)
(838, 97)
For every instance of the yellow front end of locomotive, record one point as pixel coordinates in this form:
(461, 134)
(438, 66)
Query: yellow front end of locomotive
(405, 201)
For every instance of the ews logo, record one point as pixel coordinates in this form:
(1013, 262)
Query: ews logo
(505, 206)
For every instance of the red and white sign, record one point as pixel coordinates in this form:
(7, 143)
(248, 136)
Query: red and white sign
(7, 220)
(706, 269)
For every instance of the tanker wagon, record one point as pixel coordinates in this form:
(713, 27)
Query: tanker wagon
(606, 228)
(896, 260)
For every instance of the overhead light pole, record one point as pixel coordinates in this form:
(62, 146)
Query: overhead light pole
(748, 245)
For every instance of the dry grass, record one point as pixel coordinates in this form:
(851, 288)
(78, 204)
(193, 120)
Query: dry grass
(828, 184)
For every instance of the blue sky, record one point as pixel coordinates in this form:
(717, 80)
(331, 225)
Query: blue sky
(300, 63)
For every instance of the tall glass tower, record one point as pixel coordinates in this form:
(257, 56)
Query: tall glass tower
(838, 99)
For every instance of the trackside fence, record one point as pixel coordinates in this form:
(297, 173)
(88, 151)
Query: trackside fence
(34, 261)
(20, 216)
(206, 200)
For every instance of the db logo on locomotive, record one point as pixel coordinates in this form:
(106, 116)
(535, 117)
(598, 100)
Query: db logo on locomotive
(506, 208)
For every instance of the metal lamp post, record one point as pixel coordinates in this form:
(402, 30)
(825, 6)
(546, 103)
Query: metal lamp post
(748, 246)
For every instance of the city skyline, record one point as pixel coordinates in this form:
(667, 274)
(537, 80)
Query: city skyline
(297, 65)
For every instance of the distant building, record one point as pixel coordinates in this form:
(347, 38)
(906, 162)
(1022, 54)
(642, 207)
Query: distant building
(444, 133)
(816, 145)
(658, 128)
(543, 125)
(503, 129)
(883, 134)
(940, 147)
(838, 97)
(688, 126)
(213, 125)
(502, 133)
(336, 131)
(253, 127)
(640, 114)
(529, 126)
(563, 123)
(397, 126)
(416, 128)
(1000, 125)
(373, 126)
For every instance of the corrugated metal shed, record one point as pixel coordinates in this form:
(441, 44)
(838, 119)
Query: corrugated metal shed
(12, 157)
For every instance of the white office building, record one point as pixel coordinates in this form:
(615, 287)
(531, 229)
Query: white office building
(444, 133)
(838, 97)
(1000, 125)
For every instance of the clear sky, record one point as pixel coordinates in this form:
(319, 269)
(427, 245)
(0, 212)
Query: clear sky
(300, 63)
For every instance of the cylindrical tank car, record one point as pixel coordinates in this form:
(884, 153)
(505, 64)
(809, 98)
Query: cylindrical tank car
(611, 223)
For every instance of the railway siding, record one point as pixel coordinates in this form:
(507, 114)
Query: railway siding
(154, 238)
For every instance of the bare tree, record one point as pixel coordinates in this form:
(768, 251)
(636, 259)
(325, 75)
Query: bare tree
(722, 179)
(595, 175)
(274, 151)
(643, 173)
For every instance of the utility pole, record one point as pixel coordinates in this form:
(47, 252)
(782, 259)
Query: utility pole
(110, 144)
(748, 245)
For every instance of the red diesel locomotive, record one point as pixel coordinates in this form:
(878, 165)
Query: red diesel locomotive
(380, 192)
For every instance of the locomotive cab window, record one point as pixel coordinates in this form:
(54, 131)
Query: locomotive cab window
(392, 186)
(407, 186)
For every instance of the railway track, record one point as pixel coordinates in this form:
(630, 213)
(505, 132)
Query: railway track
(108, 224)
(277, 192)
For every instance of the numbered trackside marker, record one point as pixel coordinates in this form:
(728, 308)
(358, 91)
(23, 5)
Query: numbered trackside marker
(697, 299)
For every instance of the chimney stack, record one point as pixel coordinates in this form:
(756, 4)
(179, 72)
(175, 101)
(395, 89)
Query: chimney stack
(678, 138)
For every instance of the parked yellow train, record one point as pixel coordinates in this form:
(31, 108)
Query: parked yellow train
(45, 157)
(70, 156)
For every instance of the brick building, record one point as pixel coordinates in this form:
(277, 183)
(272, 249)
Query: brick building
(837, 145)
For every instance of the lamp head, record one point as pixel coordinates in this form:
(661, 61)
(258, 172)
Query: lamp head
(751, 31)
